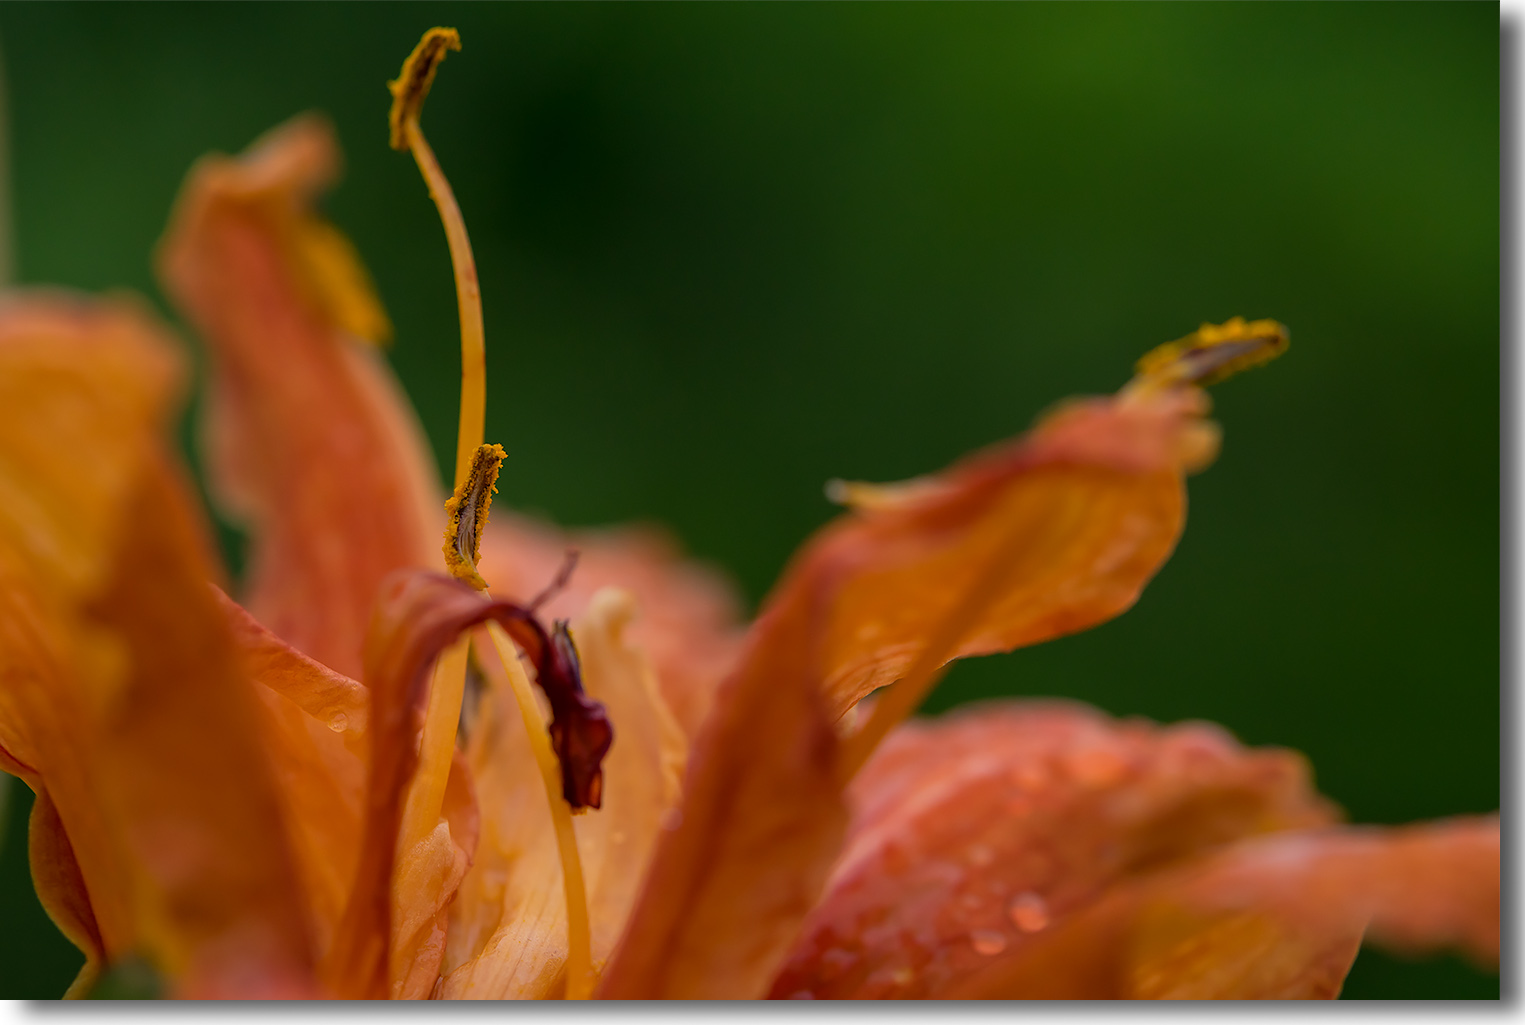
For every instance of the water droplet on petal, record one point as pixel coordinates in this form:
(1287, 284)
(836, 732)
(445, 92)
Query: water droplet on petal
(987, 942)
(1028, 912)
(338, 722)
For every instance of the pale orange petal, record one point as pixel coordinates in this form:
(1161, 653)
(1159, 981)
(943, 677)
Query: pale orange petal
(745, 855)
(311, 444)
(508, 929)
(690, 621)
(1074, 517)
(1270, 918)
(119, 684)
(973, 833)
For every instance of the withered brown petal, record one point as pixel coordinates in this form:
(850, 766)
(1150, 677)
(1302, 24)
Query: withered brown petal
(976, 833)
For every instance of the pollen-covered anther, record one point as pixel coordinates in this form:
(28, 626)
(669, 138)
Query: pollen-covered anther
(466, 515)
(1213, 352)
(411, 87)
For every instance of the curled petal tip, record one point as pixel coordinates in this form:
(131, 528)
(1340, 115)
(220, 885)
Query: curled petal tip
(411, 86)
(1214, 352)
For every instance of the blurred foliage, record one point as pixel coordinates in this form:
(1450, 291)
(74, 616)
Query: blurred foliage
(728, 252)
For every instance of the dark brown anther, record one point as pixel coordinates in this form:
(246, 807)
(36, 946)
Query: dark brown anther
(580, 729)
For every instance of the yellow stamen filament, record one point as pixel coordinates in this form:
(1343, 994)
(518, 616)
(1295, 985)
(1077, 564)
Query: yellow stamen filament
(408, 93)
(426, 796)
(579, 937)
(476, 470)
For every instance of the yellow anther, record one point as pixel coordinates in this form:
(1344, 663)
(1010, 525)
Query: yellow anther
(1213, 352)
(411, 87)
(466, 515)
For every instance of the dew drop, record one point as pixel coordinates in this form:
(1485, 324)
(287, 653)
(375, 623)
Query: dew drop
(987, 942)
(1028, 912)
(339, 722)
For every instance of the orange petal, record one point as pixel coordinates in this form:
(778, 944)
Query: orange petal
(690, 618)
(316, 741)
(61, 889)
(119, 684)
(312, 444)
(1271, 918)
(974, 833)
(1074, 517)
(745, 855)
(508, 929)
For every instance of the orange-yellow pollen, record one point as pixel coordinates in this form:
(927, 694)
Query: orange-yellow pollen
(466, 515)
(1213, 352)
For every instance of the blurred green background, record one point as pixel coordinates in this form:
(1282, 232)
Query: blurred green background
(728, 252)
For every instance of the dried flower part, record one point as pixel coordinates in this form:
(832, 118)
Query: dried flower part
(975, 833)
(309, 442)
(124, 701)
(1278, 917)
(690, 624)
(466, 515)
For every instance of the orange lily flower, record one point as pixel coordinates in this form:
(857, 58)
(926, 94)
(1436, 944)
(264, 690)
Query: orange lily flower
(344, 785)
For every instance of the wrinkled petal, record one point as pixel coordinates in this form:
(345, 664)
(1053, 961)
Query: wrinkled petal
(689, 626)
(975, 833)
(120, 688)
(1073, 518)
(1271, 918)
(745, 855)
(508, 928)
(311, 444)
